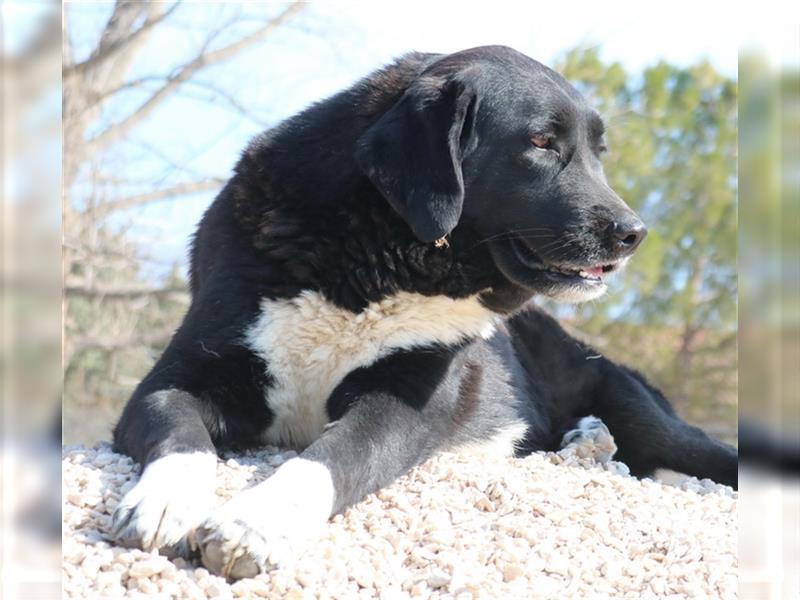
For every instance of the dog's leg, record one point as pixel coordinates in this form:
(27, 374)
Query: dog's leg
(165, 432)
(651, 436)
(389, 417)
(646, 430)
(267, 525)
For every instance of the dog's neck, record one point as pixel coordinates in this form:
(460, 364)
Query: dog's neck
(355, 250)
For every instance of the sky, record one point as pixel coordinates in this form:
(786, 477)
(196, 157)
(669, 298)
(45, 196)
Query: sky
(332, 44)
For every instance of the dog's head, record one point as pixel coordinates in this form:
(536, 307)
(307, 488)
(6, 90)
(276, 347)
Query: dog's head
(491, 140)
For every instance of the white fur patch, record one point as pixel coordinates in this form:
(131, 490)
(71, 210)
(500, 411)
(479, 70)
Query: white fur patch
(503, 443)
(269, 524)
(310, 345)
(174, 494)
(578, 293)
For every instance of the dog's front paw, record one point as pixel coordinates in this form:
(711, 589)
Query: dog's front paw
(173, 496)
(591, 439)
(235, 548)
(268, 525)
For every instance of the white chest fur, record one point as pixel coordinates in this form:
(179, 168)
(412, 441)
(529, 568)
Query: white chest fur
(310, 345)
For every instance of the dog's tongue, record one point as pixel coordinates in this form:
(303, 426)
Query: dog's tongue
(594, 271)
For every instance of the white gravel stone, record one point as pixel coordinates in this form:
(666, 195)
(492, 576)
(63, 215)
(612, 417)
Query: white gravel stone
(457, 527)
(438, 579)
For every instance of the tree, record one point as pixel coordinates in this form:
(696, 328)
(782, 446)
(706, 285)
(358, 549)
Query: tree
(115, 317)
(673, 151)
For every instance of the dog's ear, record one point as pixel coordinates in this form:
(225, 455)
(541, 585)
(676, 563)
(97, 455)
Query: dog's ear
(413, 154)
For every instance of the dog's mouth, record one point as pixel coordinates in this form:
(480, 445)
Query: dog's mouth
(568, 273)
(564, 280)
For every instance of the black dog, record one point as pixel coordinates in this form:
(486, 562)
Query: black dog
(358, 292)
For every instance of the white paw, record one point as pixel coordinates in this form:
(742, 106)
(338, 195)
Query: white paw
(174, 495)
(591, 439)
(268, 525)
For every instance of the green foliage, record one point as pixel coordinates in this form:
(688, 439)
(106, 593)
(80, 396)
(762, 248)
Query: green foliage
(673, 150)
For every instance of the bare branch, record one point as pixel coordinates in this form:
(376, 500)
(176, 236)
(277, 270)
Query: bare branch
(229, 99)
(93, 98)
(67, 50)
(120, 291)
(179, 167)
(104, 52)
(180, 189)
(106, 255)
(723, 344)
(81, 344)
(119, 129)
(724, 369)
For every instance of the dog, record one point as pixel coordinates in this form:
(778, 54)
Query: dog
(361, 291)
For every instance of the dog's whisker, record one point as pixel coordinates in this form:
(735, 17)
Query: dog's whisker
(552, 244)
(513, 237)
(514, 232)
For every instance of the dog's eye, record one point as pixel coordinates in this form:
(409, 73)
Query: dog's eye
(602, 149)
(545, 142)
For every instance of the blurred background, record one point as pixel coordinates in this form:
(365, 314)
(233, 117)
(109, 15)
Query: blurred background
(160, 99)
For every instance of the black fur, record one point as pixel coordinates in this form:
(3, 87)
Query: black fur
(351, 199)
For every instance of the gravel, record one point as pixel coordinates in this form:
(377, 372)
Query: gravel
(460, 526)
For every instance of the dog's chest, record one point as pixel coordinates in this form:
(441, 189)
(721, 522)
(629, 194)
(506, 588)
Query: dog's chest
(309, 345)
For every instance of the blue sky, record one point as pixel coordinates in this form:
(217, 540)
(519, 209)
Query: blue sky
(330, 45)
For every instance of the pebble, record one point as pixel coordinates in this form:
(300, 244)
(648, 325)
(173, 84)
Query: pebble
(146, 568)
(419, 588)
(364, 578)
(558, 565)
(123, 468)
(105, 458)
(215, 587)
(438, 578)
(108, 579)
(459, 527)
(511, 572)
(147, 586)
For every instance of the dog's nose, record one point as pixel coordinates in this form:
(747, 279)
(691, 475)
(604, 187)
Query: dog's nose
(627, 234)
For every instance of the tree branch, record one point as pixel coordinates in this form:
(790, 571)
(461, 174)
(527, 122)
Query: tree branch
(180, 189)
(708, 371)
(119, 291)
(104, 52)
(723, 344)
(81, 344)
(93, 98)
(232, 102)
(119, 129)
